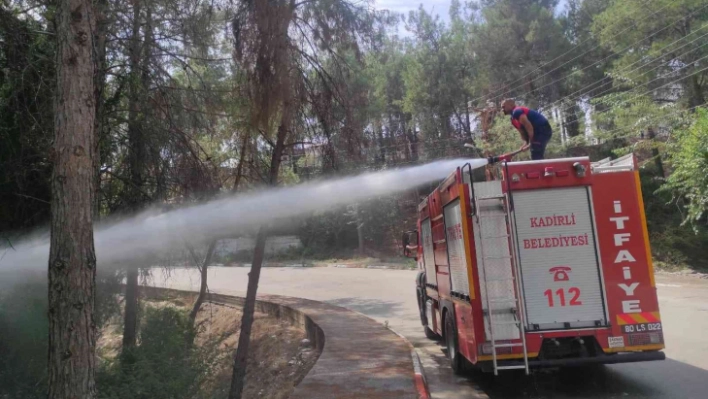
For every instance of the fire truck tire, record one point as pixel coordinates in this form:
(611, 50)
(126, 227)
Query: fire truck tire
(420, 294)
(456, 360)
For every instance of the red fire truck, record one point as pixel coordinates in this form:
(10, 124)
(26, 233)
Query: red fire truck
(548, 266)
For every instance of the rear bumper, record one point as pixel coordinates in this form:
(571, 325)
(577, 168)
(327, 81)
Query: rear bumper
(582, 361)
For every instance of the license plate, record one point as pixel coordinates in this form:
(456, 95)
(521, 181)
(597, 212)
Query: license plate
(615, 342)
(641, 328)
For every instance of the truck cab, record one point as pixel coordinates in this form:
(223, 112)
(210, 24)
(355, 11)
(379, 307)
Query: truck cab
(548, 266)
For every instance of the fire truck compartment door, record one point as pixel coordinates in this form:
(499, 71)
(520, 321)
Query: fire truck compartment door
(560, 272)
(428, 255)
(456, 256)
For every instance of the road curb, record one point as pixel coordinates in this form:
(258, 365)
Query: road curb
(421, 383)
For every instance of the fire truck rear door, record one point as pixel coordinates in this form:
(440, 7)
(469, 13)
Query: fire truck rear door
(428, 255)
(560, 271)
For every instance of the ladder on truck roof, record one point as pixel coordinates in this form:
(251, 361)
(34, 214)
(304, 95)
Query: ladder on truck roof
(514, 300)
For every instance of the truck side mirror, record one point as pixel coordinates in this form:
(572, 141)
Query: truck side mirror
(410, 244)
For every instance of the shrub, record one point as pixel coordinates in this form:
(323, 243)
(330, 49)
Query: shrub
(165, 365)
(23, 343)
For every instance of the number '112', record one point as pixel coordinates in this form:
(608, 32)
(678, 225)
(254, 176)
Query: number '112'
(574, 301)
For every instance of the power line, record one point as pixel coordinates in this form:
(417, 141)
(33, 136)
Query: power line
(577, 119)
(375, 148)
(648, 91)
(412, 162)
(608, 57)
(422, 161)
(553, 60)
(624, 70)
(654, 80)
(656, 119)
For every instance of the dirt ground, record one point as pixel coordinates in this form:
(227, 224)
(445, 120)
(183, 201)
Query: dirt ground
(279, 358)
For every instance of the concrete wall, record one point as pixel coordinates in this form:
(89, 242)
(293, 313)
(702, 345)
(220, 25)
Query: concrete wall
(274, 245)
(281, 311)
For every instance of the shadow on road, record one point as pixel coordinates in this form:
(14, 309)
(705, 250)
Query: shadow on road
(663, 379)
(369, 307)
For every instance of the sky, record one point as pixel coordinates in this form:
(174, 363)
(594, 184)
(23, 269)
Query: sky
(440, 7)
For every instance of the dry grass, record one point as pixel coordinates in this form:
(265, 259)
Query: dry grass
(278, 360)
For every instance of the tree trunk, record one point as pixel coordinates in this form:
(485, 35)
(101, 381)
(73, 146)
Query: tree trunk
(412, 137)
(130, 320)
(203, 287)
(572, 126)
(135, 147)
(467, 116)
(360, 233)
(359, 228)
(696, 92)
(72, 259)
(238, 380)
(655, 153)
(204, 272)
(381, 156)
(241, 161)
(136, 163)
(99, 87)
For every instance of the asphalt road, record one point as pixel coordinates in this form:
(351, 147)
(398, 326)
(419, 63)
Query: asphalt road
(389, 296)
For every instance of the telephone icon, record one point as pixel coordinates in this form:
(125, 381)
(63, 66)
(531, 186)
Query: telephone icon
(560, 273)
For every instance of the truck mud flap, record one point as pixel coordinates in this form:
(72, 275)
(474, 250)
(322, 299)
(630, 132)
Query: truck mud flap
(583, 361)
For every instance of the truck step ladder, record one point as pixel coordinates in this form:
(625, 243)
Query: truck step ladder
(519, 367)
(513, 300)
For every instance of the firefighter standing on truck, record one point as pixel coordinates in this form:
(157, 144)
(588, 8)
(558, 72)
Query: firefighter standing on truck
(533, 126)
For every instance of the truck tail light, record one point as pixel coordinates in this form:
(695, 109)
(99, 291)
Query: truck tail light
(562, 173)
(646, 339)
(655, 338)
(533, 175)
(486, 348)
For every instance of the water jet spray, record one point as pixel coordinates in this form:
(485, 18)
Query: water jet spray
(151, 233)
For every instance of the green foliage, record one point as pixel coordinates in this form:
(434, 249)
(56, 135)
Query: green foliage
(108, 286)
(661, 37)
(688, 155)
(24, 329)
(165, 365)
(675, 245)
(328, 233)
(514, 39)
(381, 220)
(27, 77)
(23, 346)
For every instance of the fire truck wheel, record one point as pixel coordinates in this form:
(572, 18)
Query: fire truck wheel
(420, 293)
(456, 360)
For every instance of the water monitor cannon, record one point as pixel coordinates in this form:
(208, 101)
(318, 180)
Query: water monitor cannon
(491, 160)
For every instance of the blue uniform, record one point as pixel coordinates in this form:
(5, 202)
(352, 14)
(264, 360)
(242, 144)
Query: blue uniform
(541, 130)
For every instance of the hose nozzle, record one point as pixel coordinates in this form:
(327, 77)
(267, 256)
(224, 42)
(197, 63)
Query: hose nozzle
(502, 158)
(499, 158)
